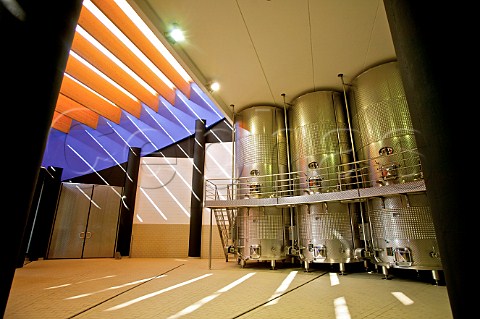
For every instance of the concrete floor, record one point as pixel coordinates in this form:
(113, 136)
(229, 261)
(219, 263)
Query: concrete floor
(213, 289)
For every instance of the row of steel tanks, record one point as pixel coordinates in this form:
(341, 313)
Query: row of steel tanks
(321, 149)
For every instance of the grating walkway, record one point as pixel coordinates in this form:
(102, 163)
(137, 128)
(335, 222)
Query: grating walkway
(216, 289)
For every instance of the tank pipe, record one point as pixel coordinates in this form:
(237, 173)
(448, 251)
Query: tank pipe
(338, 133)
(286, 133)
(340, 160)
(287, 144)
(371, 228)
(340, 75)
(210, 241)
(277, 142)
(233, 151)
(234, 195)
(288, 164)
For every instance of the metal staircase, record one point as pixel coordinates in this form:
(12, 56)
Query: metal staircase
(225, 218)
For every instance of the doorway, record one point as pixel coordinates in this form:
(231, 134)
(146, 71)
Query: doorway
(86, 221)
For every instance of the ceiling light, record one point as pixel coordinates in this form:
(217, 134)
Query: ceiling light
(153, 38)
(213, 86)
(176, 34)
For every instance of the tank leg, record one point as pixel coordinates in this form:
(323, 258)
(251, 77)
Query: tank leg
(365, 265)
(272, 264)
(307, 265)
(385, 273)
(435, 276)
(342, 269)
(242, 263)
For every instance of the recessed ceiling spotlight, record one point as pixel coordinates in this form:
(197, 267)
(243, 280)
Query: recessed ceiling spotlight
(176, 33)
(213, 86)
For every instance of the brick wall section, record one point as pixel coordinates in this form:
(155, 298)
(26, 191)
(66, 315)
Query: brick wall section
(171, 241)
(159, 241)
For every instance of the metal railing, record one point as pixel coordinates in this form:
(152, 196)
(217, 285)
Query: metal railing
(398, 168)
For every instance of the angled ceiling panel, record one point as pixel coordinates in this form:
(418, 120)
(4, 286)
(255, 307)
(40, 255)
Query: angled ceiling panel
(173, 129)
(72, 156)
(186, 120)
(125, 134)
(199, 97)
(94, 52)
(61, 122)
(86, 153)
(195, 110)
(76, 111)
(54, 154)
(92, 77)
(151, 50)
(154, 139)
(102, 33)
(83, 95)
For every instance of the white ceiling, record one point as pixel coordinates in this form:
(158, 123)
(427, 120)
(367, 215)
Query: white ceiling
(261, 49)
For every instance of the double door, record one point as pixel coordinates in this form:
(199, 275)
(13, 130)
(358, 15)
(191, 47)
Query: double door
(86, 221)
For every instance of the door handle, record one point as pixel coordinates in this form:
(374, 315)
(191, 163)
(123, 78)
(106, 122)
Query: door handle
(82, 235)
(89, 235)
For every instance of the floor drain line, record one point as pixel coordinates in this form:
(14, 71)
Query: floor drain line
(279, 296)
(121, 293)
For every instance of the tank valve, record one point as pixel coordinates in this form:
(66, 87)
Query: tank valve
(434, 253)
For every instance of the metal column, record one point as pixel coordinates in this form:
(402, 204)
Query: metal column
(127, 209)
(196, 203)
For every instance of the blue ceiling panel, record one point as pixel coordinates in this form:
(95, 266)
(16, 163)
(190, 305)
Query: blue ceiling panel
(195, 110)
(55, 149)
(199, 97)
(173, 130)
(154, 138)
(78, 155)
(186, 120)
(110, 142)
(184, 105)
(89, 151)
(121, 137)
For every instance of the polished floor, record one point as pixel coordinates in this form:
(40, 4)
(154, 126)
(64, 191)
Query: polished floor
(216, 289)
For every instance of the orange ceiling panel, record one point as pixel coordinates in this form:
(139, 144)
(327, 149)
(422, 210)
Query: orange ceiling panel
(76, 111)
(86, 50)
(102, 34)
(82, 95)
(125, 24)
(61, 122)
(93, 80)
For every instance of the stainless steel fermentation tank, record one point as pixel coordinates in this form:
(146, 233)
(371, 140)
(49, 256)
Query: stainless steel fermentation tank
(261, 170)
(321, 152)
(401, 227)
